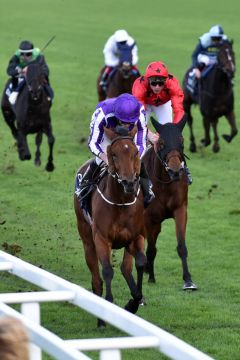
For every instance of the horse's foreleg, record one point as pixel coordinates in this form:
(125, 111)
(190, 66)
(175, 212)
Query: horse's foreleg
(152, 233)
(180, 216)
(23, 149)
(38, 141)
(51, 140)
(232, 122)
(192, 146)
(206, 125)
(216, 146)
(104, 255)
(126, 268)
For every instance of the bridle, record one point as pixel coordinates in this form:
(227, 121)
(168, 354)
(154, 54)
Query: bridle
(119, 180)
(164, 160)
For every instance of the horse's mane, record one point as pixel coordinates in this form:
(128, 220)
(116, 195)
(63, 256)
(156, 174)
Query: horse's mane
(121, 130)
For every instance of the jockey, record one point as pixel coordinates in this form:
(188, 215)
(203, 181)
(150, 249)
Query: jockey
(125, 111)
(160, 93)
(17, 66)
(112, 50)
(205, 53)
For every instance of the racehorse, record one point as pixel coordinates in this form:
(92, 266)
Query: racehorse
(30, 115)
(165, 166)
(117, 219)
(215, 98)
(122, 77)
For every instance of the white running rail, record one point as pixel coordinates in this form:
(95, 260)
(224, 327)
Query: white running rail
(143, 334)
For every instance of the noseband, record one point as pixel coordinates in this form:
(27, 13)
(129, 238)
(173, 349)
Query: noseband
(168, 169)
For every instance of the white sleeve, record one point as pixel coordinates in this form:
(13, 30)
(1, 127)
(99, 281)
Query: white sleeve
(110, 53)
(97, 132)
(135, 55)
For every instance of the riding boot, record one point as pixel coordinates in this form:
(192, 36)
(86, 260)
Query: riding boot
(189, 176)
(146, 185)
(85, 186)
(104, 78)
(14, 95)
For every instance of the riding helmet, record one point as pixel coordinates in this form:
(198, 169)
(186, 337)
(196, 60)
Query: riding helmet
(156, 68)
(127, 108)
(26, 47)
(120, 35)
(216, 31)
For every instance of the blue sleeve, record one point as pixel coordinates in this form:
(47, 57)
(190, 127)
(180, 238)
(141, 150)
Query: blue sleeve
(197, 51)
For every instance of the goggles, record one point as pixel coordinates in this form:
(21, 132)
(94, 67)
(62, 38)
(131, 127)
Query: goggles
(159, 82)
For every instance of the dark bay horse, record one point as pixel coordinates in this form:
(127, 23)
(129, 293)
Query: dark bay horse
(117, 220)
(121, 79)
(215, 98)
(30, 115)
(165, 166)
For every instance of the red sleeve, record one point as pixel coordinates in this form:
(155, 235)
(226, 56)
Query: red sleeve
(177, 96)
(139, 91)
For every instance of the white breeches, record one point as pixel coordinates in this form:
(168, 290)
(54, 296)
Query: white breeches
(163, 112)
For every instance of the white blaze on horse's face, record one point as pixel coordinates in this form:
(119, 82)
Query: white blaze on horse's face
(126, 146)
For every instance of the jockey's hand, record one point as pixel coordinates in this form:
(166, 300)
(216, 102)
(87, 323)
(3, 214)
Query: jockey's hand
(104, 158)
(153, 137)
(24, 70)
(197, 73)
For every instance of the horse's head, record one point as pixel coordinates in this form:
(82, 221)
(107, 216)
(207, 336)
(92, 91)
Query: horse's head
(123, 158)
(34, 81)
(169, 148)
(226, 59)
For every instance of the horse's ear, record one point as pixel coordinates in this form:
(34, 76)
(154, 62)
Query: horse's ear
(109, 133)
(156, 125)
(182, 122)
(133, 132)
(110, 160)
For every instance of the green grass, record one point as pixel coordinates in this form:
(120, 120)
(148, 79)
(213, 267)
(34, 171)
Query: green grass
(36, 208)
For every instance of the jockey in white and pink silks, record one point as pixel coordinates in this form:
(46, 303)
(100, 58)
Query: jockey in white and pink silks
(127, 111)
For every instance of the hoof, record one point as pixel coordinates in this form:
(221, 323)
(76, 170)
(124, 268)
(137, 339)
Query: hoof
(142, 302)
(227, 138)
(216, 148)
(151, 280)
(37, 162)
(193, 148)
(101, 324)
(189, 285)
(205, 142)
(132, 306)
(49, 167)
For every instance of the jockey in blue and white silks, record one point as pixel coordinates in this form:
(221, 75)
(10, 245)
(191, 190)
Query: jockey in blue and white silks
(110, 113)
(205, 54)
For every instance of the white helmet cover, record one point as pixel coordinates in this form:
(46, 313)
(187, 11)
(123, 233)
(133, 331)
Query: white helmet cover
(216, 31)
(120, 35)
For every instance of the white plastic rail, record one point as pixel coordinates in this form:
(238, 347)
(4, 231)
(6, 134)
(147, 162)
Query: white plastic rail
(143, 334)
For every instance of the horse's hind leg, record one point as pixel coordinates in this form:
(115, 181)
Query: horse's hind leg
(38, 141)
(51, 140)
(152, 233)
(216, 146)
(9, 118)
(232, 122)
(206, 125)
(180, 216)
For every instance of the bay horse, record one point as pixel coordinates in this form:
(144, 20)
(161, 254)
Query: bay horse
(116, 219)
(121, 78)
(215, 98)
(30, 115)
(165, 166)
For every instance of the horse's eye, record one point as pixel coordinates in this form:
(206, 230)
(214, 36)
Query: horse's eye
(114, 157)
(161, 144)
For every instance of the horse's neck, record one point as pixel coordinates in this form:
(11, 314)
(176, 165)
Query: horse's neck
(216, 83)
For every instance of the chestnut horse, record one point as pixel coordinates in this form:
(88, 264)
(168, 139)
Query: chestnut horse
(30, 115)
(121, 79)
(215, 98)
(165, 166)
(117, 219)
